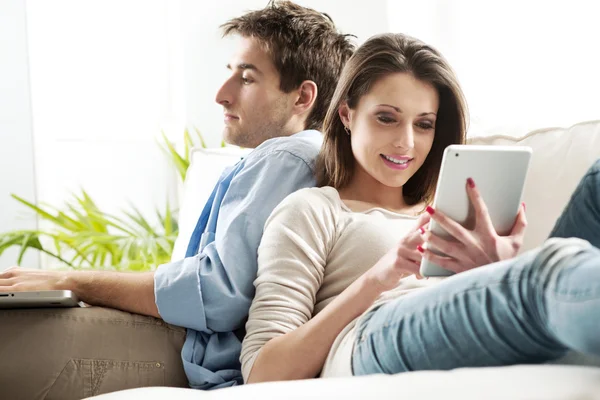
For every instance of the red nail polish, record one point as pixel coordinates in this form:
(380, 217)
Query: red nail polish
(420, 249)
(430, 210)
(524, 207)
(471, 183)
(422, 230)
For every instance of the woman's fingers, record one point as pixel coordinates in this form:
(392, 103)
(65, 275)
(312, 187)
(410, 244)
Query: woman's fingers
(445, 262)
(482, 215)
(455, 250)
(518, 228)
(422, 222)
(411, 254)
(453, 228)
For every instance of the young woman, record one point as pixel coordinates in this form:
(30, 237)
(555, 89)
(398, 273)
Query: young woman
(338, 291)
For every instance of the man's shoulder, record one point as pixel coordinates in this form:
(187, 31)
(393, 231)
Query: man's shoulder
(304, 146)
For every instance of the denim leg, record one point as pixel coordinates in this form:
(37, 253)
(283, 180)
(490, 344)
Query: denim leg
(528, 309)
(581, 216)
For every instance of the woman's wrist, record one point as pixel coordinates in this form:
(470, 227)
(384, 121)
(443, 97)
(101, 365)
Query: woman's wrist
(370, 287)
(373, 283)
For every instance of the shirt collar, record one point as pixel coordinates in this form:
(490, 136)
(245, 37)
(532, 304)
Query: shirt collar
(309, 133)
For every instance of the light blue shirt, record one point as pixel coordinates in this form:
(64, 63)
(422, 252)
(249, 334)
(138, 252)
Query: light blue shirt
(210, 292)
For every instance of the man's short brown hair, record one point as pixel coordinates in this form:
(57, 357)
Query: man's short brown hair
(304, 45)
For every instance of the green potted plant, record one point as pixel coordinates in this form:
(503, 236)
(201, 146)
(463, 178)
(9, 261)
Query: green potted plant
(82, 236)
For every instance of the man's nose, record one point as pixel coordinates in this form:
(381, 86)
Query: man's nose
(225, 93)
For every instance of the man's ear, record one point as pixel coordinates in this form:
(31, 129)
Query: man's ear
(344, 113)
(307, 95)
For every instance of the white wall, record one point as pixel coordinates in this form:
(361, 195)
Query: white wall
(16, 151)
(206, 54)
(100, 74)
(107, 75)
(523, 64)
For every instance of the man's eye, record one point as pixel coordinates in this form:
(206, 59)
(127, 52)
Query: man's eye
(246, 81)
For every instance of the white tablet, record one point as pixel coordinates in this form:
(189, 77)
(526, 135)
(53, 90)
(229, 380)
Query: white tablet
(499, 173)
(39, 299)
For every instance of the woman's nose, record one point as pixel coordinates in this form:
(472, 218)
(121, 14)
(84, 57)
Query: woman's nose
(405, 137)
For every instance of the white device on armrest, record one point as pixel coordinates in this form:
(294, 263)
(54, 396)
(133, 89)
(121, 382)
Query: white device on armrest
(499, 173)
(39, 299)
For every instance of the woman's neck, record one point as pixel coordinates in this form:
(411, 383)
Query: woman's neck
(374, 194)
(367, 192)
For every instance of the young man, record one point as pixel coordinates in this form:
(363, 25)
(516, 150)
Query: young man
(283, 76)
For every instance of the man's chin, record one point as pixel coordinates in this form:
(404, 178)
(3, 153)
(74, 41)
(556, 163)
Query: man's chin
(235, 138)
(229, 135)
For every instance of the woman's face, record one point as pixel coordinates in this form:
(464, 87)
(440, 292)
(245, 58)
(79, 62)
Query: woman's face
(392, 128)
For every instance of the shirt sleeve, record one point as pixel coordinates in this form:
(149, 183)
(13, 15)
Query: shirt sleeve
(212, 291)
(291, 266)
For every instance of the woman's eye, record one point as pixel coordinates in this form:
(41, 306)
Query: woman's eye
(385, 120)
(425, 125)
(246, 81)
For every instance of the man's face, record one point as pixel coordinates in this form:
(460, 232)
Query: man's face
(254, 107)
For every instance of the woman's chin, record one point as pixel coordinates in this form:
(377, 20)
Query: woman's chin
(393, 182)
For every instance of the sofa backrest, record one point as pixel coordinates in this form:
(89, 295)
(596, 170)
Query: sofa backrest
(561, 156)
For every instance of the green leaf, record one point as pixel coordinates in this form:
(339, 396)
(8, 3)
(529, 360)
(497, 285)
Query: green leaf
(139, 219)
(30, 239)
(42, 213)
(180, 163)
(168, 221)
(187, 145)
(10, 239)
(82, 236)
(201, 138)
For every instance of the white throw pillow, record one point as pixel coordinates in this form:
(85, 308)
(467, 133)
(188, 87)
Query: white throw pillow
(206, 166)
(561, 156)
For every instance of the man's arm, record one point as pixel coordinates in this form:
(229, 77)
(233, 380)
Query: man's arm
(133, 292)
(212, 290)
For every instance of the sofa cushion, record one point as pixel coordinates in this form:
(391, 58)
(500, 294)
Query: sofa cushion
(561, 156)
(516, 383)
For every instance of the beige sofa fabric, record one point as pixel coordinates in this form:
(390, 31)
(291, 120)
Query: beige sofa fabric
(522, 382)
(561, 156)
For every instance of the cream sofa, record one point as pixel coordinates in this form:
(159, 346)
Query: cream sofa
(560, 159)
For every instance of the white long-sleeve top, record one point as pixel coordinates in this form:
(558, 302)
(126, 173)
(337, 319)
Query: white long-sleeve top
(312, 249)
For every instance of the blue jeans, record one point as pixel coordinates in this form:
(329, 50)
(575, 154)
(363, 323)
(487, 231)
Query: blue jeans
(529, 309)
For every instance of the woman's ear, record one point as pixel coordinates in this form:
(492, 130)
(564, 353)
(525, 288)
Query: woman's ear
(307, 95)
(345, 115)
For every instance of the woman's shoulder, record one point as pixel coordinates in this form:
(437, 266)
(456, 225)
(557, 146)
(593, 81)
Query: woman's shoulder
(315, 197)
(322, 203)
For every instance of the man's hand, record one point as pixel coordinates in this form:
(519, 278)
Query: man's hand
(133, 292)
(17, 279)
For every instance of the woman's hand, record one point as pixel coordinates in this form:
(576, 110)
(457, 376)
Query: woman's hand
(402, 260)
(477, 247)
